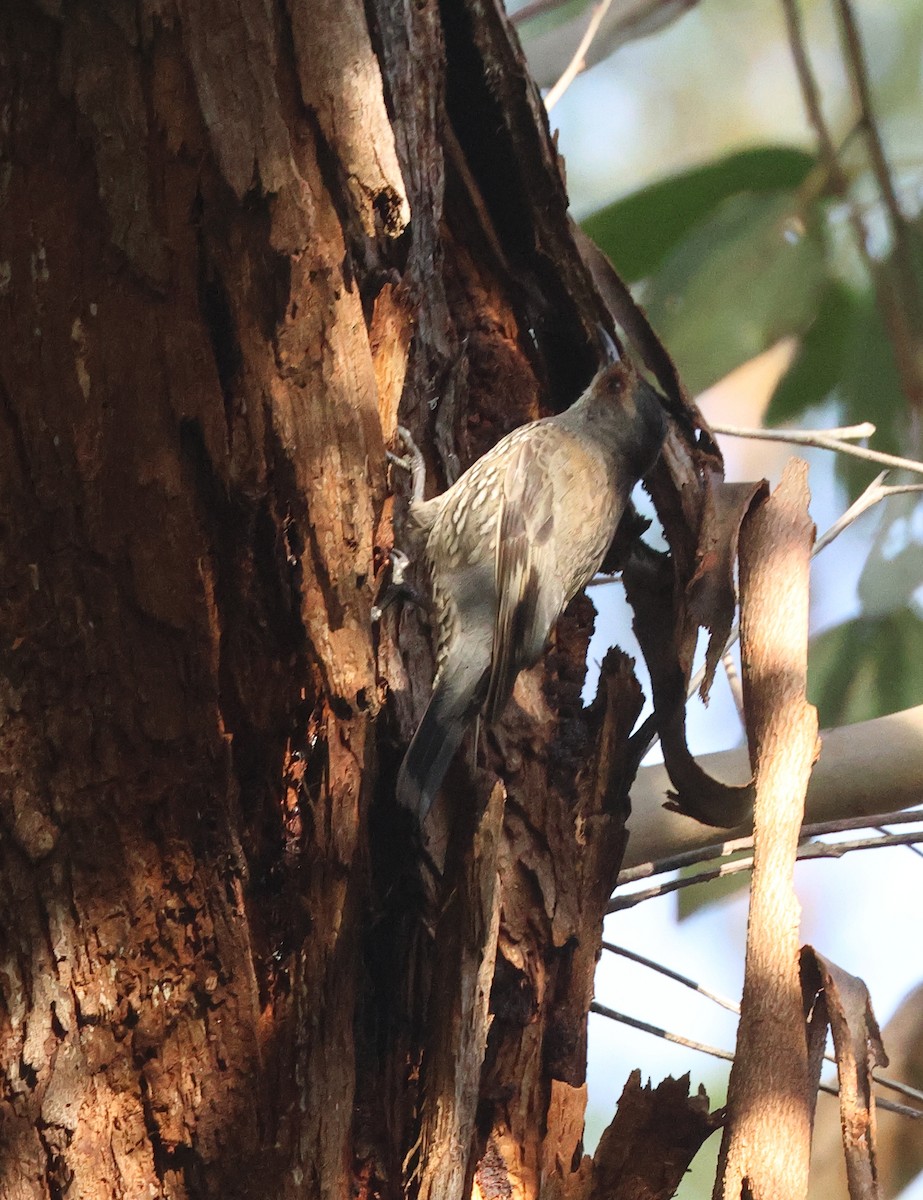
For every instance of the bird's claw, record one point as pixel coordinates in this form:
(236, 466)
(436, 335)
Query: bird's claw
(412, 462)
(405, 462)
(398, 585)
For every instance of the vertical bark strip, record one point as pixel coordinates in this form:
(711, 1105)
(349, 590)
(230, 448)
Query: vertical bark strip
(466, 948)
(766, 1146)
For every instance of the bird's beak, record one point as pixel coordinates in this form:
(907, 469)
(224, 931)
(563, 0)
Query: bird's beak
(611, 352)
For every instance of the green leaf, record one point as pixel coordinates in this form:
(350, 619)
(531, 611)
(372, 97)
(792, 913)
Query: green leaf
(748, 275)
(866, 668)
(893, 571)
(639, 230)
(552, 19)
(818, 365)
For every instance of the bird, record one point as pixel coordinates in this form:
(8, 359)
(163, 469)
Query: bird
(510, 543)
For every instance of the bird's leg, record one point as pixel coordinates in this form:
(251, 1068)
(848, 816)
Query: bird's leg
(398, 586)
(412, 462)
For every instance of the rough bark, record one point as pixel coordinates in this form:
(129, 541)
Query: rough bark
(232, 244)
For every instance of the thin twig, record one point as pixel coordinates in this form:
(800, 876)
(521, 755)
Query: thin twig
(624, 952)
(703, 1048)
(576, 64)
(689, 858)
(889, 303)
(645, 1027)
(904, 1088)
(798, 437)
(855, 59)
(810, 94)
(621, 903)
(873, 494)
(808, 851)
(822, 441)
(913, 849)
(732, 1007)
(806, 437)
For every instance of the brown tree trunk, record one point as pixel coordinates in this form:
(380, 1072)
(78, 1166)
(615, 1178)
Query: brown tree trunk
(233, 241)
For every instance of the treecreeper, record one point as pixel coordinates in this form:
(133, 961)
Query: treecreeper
(510, 543)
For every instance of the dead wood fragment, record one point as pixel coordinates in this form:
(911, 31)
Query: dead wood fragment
(652, 1139)
(843, 1001)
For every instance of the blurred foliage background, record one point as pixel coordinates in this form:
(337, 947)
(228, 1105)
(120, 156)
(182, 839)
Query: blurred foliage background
(692, 163)
(786, 278)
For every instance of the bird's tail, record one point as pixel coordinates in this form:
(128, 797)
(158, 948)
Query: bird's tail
(454, 702)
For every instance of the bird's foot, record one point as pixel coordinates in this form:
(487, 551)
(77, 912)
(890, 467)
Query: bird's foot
(398, 585)
(412, 462)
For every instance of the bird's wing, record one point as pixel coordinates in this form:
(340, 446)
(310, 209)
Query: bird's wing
(525, 525)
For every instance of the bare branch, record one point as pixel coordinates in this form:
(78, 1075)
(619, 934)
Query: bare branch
(730, 1006)
(810, 850)
(823, 441)
(863, 769)
(576, 64)
(703, 1048)
(689, 858)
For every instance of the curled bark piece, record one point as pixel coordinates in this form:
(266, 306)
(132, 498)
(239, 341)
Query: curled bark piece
(862, 769)
(898, 1144)
(711, 595)
(858, 1047)
(649, 585)
(702, 523)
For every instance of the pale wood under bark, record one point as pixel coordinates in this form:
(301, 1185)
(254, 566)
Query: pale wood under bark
(766, 1146)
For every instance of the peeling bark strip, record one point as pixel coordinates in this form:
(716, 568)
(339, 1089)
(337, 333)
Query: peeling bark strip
(892, 1140)
(844, 1001)
(766, 1146)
